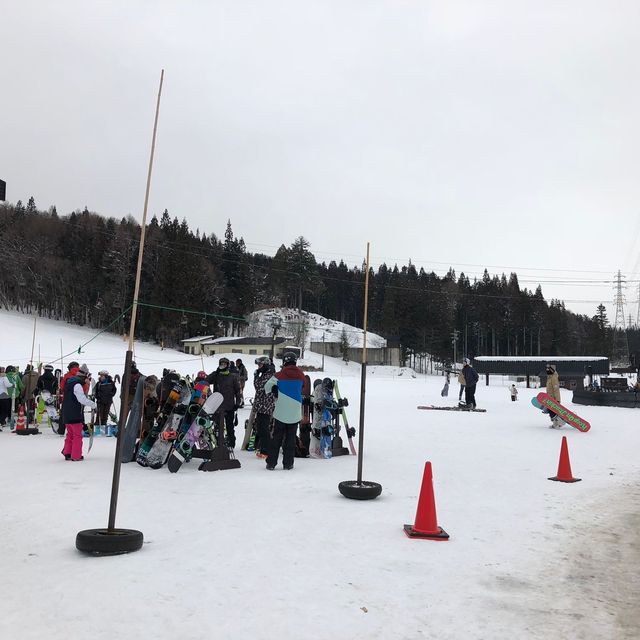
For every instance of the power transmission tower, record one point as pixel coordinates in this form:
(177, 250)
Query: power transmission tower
(620, 351)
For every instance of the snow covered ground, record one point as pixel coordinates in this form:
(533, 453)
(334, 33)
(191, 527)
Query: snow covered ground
(254, 554)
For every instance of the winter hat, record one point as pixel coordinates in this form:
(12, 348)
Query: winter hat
(466, 361)
(224, 361)
(72, 365)
(83, 371)
(551, 367)
(103, 373)
(201, 374)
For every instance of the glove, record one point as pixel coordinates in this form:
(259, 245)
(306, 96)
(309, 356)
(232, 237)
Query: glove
(351, 431)
(274, 392)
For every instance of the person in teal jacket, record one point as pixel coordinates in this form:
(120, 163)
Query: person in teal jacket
(286, 387)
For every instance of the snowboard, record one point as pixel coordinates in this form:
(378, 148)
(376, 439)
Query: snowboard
(314, 440)
(167, 409)
(342, 403)
(563, 413)
(132, 426)
(457, 408)
(249, 430)
(183, 448)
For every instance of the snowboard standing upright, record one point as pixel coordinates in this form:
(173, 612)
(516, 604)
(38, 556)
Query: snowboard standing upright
(167, 409)
(134, 420)
(342, 403)
(183, 448)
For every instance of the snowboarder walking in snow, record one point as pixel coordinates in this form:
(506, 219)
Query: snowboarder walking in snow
(514, 393)
(553, 389)
(263, 404)
(73, 412)
(470, 381)
(286, 388)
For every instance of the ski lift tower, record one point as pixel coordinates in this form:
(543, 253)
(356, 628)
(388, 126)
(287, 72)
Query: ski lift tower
(620, 350)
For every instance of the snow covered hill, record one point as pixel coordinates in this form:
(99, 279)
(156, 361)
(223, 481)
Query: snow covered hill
(315, 327)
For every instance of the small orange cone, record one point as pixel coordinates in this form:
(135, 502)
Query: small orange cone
(426, 524)
(21, 422)
(564, 466)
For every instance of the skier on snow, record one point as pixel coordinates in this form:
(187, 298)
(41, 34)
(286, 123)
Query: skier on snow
(514, 393)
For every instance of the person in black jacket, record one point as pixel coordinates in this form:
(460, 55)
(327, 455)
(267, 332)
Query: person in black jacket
(471, 380)
(47, 381)
(73, 413)
(227, 383)
(104, 392)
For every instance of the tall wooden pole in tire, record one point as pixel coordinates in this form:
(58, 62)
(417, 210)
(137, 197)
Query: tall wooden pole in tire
(360, 489)
(113, 541)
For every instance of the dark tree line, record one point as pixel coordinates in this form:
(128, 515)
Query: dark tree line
(80, 268)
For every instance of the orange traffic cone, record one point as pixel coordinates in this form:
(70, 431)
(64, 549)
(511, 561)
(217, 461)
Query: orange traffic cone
(426, 524)
(21, 422)
(564, 466)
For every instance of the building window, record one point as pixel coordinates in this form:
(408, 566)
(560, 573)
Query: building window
(266, 352)
(187, 349)
(237, 351)
(253, 352)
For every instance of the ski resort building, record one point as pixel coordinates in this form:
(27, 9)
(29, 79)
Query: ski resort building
(375, 356)
(571, 369)
(246, 345)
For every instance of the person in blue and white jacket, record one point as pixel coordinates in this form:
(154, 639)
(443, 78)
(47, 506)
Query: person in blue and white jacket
(286, 387)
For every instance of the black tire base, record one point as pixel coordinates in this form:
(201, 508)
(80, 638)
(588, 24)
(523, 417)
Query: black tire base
(30, 431)
(440, 534)
(102, 542)
(360, 491)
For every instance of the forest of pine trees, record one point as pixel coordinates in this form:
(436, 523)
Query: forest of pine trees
(80, 268)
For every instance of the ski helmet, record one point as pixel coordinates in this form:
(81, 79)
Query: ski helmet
(48, 367)
(263, 361)
(223, 361)
(466, 361)
(201, 374)
(73, 365)
(289, 358)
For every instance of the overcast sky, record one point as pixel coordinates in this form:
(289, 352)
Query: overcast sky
(472, 133)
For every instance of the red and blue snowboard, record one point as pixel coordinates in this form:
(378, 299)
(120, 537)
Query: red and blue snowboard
(545, 401)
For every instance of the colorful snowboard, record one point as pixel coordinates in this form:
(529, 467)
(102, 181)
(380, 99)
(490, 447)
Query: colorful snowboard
(563, 413)
(183, 449)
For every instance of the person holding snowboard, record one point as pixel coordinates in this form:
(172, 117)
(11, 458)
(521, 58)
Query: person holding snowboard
(553, 389)
(470, 381)
(263, 404)
(514, 393)
(73, 412)
(47, 381)
(226, 383)
(286, 387)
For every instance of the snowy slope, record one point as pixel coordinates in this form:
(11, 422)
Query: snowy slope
(260, 324)
(251, 554)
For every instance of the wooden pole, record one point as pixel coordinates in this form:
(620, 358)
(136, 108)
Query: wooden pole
(33, 342)
(363, 370)
(129, 355)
